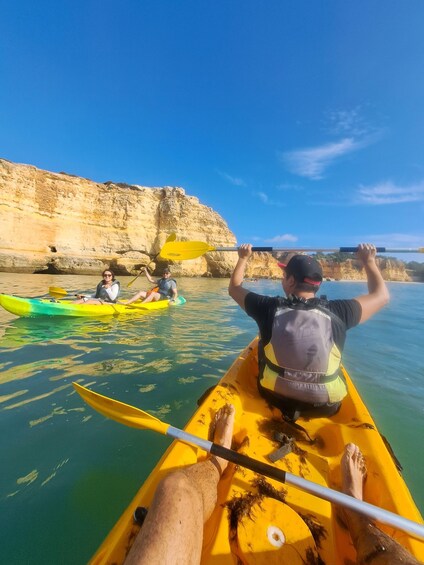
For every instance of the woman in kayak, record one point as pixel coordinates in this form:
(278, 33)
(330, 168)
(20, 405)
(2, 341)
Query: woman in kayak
(165, 289)
(107, 290)
(302, 336)
(172, 532)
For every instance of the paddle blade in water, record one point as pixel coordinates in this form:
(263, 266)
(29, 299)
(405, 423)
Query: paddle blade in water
(183, 250)
(121, 412)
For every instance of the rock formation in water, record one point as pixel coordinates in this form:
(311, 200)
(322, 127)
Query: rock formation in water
(61, 223)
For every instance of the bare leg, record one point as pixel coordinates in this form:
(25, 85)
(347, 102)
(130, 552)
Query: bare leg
(140, 294)
(152, 297)
(173, 530)
(373, 546)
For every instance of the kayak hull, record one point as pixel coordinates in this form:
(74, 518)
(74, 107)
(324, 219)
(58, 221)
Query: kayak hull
(34, 307)
(263, 511)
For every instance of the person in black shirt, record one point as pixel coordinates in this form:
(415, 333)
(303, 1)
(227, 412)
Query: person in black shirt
(302, 336)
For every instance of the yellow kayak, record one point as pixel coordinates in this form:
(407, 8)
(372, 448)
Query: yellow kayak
(255, 513)
(34, 307)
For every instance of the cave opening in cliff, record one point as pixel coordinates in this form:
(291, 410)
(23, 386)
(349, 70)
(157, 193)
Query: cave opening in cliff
(51, 269)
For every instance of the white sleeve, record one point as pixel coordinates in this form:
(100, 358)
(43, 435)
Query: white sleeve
(113, 291)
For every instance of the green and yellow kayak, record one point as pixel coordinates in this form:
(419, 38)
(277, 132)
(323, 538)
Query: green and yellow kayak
(254, 512)
(32, 307)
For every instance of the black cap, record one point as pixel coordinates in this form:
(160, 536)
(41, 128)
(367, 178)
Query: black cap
(304, 269)
(166, 270)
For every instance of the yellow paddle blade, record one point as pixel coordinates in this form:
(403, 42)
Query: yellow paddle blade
(183, 250)
(57, 290)
(121, 412)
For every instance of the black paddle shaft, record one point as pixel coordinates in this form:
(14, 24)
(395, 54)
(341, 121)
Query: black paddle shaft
(248, 463)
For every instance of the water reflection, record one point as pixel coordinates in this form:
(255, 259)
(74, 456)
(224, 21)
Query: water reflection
(64, 460)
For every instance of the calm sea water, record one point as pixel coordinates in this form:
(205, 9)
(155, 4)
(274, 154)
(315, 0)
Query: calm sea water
(68, 473)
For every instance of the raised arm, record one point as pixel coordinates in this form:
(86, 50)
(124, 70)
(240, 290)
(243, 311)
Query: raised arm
(174, 291)
(235, 289)
(378, 295)
(149, 278)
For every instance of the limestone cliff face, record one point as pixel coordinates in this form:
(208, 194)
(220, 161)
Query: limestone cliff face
(60, 223)
(264, 265)
(391, 270)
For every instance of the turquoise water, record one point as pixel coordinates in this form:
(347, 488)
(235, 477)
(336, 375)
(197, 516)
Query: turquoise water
(68, 473)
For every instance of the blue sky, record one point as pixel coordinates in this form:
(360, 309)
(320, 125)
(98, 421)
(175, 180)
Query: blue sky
(301, 123)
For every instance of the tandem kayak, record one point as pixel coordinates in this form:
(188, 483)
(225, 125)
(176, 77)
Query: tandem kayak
(32, 307)
(250, 506)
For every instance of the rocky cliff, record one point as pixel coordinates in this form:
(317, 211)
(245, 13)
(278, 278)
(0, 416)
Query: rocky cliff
(352, 270)
(60, 223)
(391, 270)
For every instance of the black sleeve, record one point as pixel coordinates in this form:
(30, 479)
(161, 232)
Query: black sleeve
(349, 311)
(261, 309)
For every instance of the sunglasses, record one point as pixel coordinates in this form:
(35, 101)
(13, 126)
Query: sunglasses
(108, 275)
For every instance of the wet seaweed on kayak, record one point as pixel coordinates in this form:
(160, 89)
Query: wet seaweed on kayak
(396, 461)
(131, 538)
(341, 520)
(239, 507)
(312, 558)
(204, 396)
(301, 453)
(270, 426)
(266, 489)
(202, 419)
(317, 530)
(363, 425)
(230, 387)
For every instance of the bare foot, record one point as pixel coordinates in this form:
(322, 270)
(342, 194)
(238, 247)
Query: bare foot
(371, 544)
(353, 471)
(223, 430)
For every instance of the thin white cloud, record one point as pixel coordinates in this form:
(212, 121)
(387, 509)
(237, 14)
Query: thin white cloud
(265, 199)
(281, 238)
(236, 181)
(348, 122)
(312, 162)
(286, 186)
(389, 193)
(262, 196)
